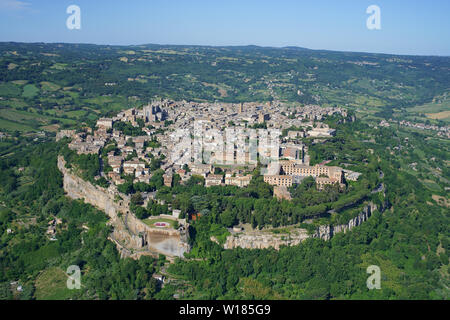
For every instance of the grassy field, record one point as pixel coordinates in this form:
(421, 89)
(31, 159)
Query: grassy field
(59, 66)
(29, 91)
(433, 186)
(20, 116)
(14, 126)
(20, 82)
(12, 119)
(51, 284)
(443, 115)
(9, 90)
(51, 128)
(151, 221)
(49, 86)
(433, 107)
(76, 113)
(21, 106)
(438, 109)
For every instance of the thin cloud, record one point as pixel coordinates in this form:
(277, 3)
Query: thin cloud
(14, 5)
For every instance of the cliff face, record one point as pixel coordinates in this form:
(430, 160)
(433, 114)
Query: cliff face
(256, 240)
(262, 240)
(132, 237)
(326, 232)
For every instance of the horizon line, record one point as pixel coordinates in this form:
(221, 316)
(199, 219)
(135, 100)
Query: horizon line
(228, 46)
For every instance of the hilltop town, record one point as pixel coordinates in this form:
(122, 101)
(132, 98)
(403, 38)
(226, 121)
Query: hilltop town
(333, 161)
(221, 143)
(137, 137)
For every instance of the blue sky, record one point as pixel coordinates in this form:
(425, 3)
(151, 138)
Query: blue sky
(417, 27)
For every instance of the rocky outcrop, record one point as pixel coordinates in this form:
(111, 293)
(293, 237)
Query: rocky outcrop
(267, 239)
(258, 240)
(326, 232)
(132, 237)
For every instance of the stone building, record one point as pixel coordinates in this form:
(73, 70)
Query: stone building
(238, 180)
(213, 180)
(168, 180)
(154, 113)
(294, 169)
(279, 180)
(105, 123)
(200, 169)
(290, 172)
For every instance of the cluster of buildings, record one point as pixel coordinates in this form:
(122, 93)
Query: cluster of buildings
(239, 180)
(129, 156)
(83, 143)
(306, 130)
(274, 115)
(315, 112)
(442, 131)
(229, 162)
(228, 177)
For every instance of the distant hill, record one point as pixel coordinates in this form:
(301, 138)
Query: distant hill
(82, 80)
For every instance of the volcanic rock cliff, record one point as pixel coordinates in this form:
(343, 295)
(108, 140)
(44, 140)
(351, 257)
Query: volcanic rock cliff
(262, 240)
(132, 237)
